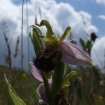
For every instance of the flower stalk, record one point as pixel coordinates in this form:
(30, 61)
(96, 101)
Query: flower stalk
(48, 91)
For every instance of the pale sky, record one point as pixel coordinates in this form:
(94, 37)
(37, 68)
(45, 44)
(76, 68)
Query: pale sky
(60, 13)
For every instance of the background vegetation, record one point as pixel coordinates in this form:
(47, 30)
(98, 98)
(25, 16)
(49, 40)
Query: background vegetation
(88, 91)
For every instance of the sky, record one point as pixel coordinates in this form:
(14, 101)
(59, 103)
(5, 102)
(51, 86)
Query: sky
(60, 13)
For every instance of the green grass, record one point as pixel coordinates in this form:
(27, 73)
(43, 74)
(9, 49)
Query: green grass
(22, 82)
(79, 92)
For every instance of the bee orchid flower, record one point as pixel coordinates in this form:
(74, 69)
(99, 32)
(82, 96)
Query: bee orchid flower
(57, 48)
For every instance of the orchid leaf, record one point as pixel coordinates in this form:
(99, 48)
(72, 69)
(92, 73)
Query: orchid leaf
(37, 42)
(13, 94)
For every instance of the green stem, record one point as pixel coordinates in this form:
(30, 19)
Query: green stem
(48, 90)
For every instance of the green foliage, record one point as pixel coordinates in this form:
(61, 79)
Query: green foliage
(13, 94)
(81, 90)
(38, 43)
(85, 45)
(88, 44)
(36, 94)
(23, 86)
(59, 72)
